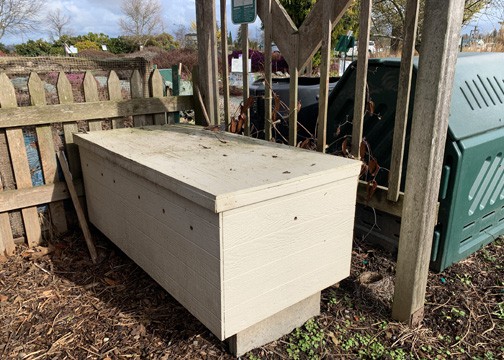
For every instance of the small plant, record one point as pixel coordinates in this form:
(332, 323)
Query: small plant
(305, 341)
(465, 279)
(254, 357)
(458, 313)
(499, 312)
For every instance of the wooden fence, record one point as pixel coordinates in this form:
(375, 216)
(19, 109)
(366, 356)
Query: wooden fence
(54, 126)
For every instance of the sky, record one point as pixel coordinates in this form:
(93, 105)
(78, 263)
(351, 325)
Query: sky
(102, 16)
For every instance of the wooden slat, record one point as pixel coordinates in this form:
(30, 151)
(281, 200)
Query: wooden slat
(379, 200)
(91, 95)
(35, 196)
(224, 57)
(312, 28)
(403, 97)
(207, 56)
(47, 153)
(268, 79)
(293, 100)
(65, 96)
(20, 164)
(282, 27)
(434, 84)
(324, 78)
(137, 92)
(114, 91)
(361, 82)
(30, 115)
(245, 72)
(78, 209)
(156, 91)
(7, 245)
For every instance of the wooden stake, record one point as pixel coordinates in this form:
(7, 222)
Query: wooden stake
(75, 200)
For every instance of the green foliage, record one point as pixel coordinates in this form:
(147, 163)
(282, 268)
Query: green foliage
(298, 9)
(164, 41)
(34, 48)
(3, 49)
(87, 45)
(121, 45)
(305, 341)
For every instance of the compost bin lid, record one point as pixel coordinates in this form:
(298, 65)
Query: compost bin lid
(477, 104)
(217, 170)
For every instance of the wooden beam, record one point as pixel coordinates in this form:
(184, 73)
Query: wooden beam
(207, 50)
(361, 82)
(245, 74)
(312, 28)
(268, 78)
(325, 64)
(293, 97)
(224, 60)
(71, 112)
(78, 209)
(35, 196)
(434, 84)
(282, 27)
(379, 200)
(403, 97)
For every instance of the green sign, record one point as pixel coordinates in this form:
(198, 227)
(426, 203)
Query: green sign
(243, 11)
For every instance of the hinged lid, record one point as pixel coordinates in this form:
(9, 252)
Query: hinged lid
(217, 170)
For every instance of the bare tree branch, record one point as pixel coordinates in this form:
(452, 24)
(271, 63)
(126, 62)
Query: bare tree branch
(19, 16)
(57, 23)
(142, 19)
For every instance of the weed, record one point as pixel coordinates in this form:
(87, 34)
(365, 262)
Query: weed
(465, 279)
(499, 312)
(305, 341)
(457, 312)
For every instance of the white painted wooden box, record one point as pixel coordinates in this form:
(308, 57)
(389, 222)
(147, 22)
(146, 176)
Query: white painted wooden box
(236, 229)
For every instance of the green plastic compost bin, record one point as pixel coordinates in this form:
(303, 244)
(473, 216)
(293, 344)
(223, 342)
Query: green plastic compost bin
(471, 212)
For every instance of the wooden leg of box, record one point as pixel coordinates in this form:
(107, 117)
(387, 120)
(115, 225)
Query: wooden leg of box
(275, 326)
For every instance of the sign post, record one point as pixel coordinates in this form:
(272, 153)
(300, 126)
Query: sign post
(243, 11)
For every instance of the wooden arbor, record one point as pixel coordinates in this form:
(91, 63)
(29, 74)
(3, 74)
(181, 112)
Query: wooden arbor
(442, 23)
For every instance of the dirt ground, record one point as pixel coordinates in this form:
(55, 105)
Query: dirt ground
(55, 304)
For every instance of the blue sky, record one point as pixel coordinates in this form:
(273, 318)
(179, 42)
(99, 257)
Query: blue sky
(103, 16)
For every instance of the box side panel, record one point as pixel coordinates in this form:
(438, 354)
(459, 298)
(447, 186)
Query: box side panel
(284, 250)
(158, 244)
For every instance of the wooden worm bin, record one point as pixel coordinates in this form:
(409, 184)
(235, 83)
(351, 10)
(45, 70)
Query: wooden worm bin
(236, 229)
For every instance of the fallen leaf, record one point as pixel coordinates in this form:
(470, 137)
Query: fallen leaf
(110, 282)
(47, 293)
(286, 172)
(212, 128)
(333, 337)
(363, 149)
(3, 298)
(372, 186)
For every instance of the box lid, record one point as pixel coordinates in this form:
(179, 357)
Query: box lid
(217, 170)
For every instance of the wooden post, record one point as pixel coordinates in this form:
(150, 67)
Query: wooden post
(156, 85)
(324, 79)
(207, 53)
(361, 82)
(225, 67)
(403, 94)
(137, 92)
(434, 84)
(293, 92)
(268, 79)
(245, 73)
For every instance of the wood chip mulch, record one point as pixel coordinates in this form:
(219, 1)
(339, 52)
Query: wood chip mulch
(55, 304)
